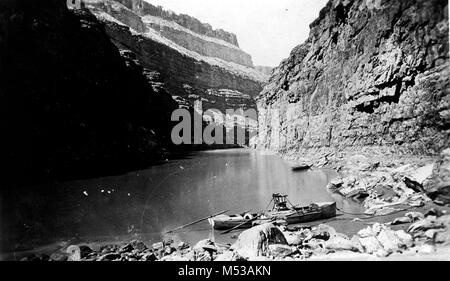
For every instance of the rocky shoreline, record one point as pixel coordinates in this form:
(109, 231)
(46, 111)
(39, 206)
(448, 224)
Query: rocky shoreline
(427, 236)
(404, 219)
(387, 183)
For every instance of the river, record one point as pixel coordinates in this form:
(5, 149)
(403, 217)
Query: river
(144, 204)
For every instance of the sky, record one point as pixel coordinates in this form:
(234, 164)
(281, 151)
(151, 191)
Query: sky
(266, 29)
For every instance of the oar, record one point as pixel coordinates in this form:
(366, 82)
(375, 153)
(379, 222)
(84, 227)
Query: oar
(197, 221)
(237, 226)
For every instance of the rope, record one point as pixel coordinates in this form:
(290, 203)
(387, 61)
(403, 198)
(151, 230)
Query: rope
(269, 204)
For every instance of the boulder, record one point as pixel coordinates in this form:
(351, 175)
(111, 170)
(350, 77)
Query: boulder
(390, 242)
(168, 242)
(340, 243)
(138, 245)
(203, 256)
(370, 244)
(150, 256)
(323, 232)
(226, 256)
(126, 248)
(58, 256)
(357, 244)
(401, 220)
(205, 245)
(366, 232)
(438, 186)
(293, 238)
(434, 212)
(426, 249)
(417, 179)
(405, 238)
(182, 246)
(335, 184)
(351, 187)
(76, 253)
(415, 216)
(108, 249)
(255, 241)
(429, 222)
(280, 250)
(443, 237)
(158, 246)
(169, 250)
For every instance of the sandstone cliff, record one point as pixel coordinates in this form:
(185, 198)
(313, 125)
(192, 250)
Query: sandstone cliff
(267, 70)
(144, 8)
(71, 105)
(185, 75)
(188, 74)
(372, 74)
(183, 30)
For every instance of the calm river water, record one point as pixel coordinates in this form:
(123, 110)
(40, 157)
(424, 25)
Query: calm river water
(145, 204)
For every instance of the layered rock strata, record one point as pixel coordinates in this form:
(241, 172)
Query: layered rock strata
(372, 74)
(183, 30)
(189, 75)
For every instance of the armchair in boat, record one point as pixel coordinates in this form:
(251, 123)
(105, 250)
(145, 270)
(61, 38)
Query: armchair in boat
(279, 202)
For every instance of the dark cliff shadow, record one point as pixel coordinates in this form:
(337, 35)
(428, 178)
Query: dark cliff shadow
(71, 106)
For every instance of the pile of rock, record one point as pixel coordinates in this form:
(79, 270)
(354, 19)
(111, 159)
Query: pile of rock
(379, 188)
(133, 251)
(268, 241)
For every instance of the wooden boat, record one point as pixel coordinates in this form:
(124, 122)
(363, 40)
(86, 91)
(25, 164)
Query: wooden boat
(312, 212)
(301, 167)
(280, 211)
(225, 222)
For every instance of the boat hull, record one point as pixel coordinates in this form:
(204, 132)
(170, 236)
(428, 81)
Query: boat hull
(225, 225)
(325, 211)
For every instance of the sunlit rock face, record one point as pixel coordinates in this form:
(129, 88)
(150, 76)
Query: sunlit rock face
(371, 74)
(183, 30)
(267, 70)
(195, 62)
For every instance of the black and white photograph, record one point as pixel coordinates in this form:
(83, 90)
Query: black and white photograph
(213, 132)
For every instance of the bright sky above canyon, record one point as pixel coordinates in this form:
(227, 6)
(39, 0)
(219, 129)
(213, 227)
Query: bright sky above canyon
(266, 29)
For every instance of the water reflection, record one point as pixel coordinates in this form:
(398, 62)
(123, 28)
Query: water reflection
(146, 203)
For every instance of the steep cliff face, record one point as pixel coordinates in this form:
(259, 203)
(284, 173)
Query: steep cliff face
(183, 30)
(267, 70)
(371, 74)
(180, 71)
(71, 105)
(144, 8)
(188, 74)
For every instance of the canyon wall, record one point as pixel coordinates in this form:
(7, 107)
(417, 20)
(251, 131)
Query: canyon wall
(144, 8)
(184, 75)
(373, 74)
(267, 70)
(183, 30)
(71, 104)
(188, 74)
